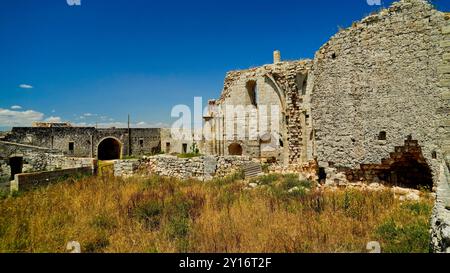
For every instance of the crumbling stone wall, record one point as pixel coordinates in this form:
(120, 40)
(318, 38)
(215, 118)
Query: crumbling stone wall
(145, 141)
(37, 159)
(173, 144)
(380, 76)
(440, 221)
(202, 168)
(282, 84)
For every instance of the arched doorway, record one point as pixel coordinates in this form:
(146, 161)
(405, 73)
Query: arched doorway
(109, 149)
(235, 149)
(16, 165)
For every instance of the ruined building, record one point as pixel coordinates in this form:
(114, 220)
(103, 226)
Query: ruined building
(372, 105)
(278, 93)
(104, 144)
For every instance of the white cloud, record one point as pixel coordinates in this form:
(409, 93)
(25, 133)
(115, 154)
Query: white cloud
(16, 107)
(26, 86)
(89, 115)
(141, 124)
(53, 119)
(18, 118)
(12, 118)
(9, 118)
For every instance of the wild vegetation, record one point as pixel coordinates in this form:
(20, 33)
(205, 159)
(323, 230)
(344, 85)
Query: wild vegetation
(155, 214)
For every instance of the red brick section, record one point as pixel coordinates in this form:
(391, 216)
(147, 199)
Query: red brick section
(406, 166)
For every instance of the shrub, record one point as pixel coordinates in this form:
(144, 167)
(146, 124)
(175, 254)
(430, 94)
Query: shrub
(406, 230)
(98, 244)
(103, 222)
(292, 180)
(150, 212)
(189, 155)
(266, 179)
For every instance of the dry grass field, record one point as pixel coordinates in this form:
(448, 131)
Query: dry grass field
(155, 214)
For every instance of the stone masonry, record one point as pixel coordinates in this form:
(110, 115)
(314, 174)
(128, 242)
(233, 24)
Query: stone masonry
(377, 83)
(203, 168)
(282, 85)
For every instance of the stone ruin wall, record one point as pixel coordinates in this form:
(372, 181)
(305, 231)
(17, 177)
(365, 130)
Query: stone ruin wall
(203, 168)
(380, 75)
(440, 220)
(87, 139)
(278, 84)
(37, 159)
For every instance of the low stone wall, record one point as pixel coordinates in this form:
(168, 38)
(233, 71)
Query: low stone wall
(126, 167)
(440, 221)
(37, 159)
(308, 171)
(202, 168)
(26, 181)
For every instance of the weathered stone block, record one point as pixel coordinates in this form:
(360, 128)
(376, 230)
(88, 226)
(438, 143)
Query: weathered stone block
(444, 69)
(446, 57)
(444, 83)
(446, 30)
(446, 95)
(445, 43)
(14, 186)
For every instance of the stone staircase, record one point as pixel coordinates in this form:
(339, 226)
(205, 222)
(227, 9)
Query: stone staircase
(252, 170)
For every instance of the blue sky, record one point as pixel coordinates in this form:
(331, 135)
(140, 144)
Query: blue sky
(97, 62)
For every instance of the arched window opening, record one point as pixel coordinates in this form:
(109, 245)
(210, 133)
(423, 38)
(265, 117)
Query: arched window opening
(235, 149)
(252, 91)
(302, 83)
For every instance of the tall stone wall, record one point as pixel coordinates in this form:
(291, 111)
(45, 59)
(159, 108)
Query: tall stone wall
(380, 76)
(440, 220)
(55, 138)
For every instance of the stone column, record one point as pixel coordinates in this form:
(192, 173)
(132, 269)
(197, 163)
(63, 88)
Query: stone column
(276, 57)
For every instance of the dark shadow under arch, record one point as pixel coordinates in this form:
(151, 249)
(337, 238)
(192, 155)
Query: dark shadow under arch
(235, 149)
(109, 149)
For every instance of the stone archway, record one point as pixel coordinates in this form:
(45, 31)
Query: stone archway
(109, 149)
(235, 149)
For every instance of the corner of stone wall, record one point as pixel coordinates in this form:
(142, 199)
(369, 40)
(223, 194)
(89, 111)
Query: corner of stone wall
(440, 221)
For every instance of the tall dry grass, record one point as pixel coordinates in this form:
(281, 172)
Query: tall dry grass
(154, 214)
